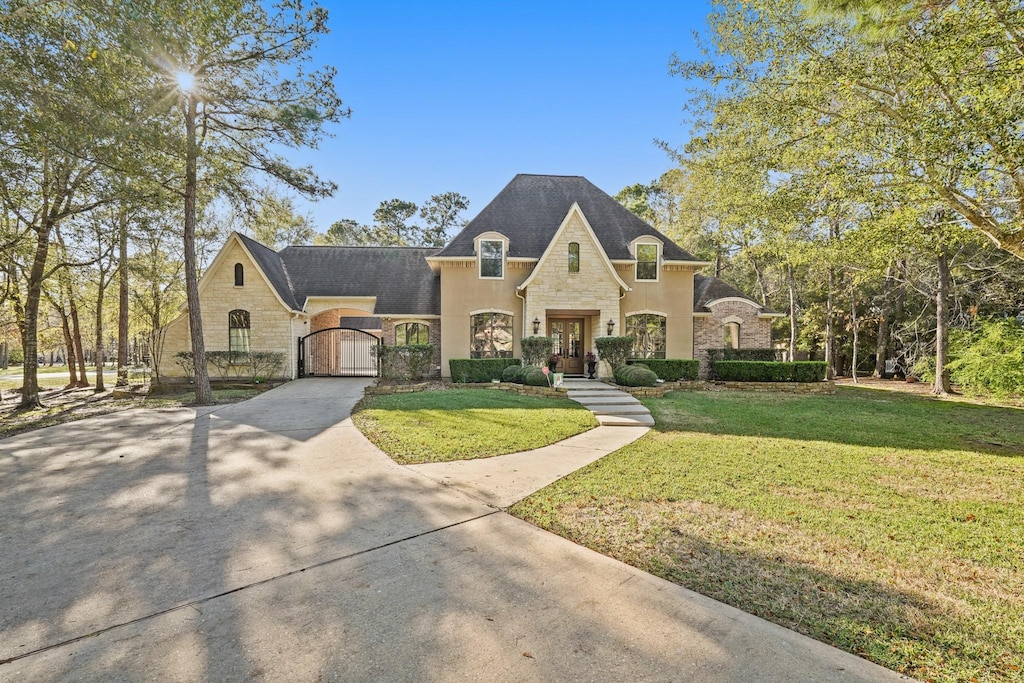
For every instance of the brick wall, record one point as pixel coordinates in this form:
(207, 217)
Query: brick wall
(709, 332)
(388, 334)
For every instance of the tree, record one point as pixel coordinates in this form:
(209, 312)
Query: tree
(276, 222)
(391, 227)
(442, 214)
(347, 233)
(235, 76)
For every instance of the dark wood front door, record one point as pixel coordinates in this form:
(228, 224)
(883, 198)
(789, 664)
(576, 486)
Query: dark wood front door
(568, 336)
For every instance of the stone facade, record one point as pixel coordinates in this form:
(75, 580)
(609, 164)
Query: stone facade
(270, 323)
(709, 330)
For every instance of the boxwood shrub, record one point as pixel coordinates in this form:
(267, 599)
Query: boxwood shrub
(466, 370)
(513, 373)
(636, 375)
(670, 369)
(764, 371)
(535, 377)
(615, 350)
(729, 353)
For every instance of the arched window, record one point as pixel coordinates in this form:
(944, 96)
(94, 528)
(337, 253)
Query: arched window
(412, 333)
(731, 335)
(492, 259)
(238, 332)
(490, 335)
(574, 257)
(648, 333)
(239, 275)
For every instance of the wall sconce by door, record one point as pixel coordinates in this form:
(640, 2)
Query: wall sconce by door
(611, 326)
(536, 325)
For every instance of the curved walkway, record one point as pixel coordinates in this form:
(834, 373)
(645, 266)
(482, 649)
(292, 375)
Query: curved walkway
(268, 540)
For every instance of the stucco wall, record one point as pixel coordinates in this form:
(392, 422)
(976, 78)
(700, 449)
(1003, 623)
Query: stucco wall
(755, 332)
(463, 293)
(671, 296)
(270, 321)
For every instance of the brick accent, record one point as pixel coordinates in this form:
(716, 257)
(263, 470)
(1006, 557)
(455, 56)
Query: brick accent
(708, 332)
(387, 330)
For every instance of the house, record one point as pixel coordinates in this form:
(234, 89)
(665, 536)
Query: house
(550, 255)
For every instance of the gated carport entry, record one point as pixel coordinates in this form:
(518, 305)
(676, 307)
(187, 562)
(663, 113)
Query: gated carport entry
(338, 352)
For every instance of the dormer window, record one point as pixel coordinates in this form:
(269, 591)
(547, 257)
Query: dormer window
(492, 259)
(647, 262)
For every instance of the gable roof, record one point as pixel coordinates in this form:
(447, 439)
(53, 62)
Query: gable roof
(531, 208)
(399, 277)
(707, 289)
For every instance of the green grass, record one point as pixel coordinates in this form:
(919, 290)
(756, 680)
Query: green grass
(891, 526)
(462, 424)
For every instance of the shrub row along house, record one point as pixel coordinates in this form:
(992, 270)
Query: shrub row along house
(550, 255)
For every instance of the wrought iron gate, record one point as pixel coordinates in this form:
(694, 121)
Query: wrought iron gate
(338, 352)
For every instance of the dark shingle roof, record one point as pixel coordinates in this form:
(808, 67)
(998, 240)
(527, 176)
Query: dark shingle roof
(531, 207)
(270, 263)
(707, 289)
(399, 277)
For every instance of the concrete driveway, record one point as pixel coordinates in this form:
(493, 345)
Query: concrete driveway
(270, 540)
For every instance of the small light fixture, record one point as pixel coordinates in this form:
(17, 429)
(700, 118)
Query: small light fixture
(611, 326)
(536, 325)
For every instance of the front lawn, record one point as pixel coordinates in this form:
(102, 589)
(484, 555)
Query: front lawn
(461, 424)
(890, 526)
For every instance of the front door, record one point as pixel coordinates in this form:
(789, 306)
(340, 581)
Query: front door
(567, 334)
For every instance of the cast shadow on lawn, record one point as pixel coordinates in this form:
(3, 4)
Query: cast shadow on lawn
(852, 416)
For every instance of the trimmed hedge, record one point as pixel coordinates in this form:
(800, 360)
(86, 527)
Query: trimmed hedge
(635, 375)
(670, 369)
(615, 350)
(513, 373)
(536, 350)
(471, 370)
(763, 371)
(729, 353)
(535, 377)
(401, 363)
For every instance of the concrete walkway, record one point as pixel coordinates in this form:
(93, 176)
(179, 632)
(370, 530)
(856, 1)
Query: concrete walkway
(268, 540)
(611, 406)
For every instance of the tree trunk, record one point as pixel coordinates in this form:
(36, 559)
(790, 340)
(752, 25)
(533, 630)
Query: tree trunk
(68, 345)
(101, 286)
(195, 320)
(941, 386)
(882, 344)
(854, 324)
(30, 320)
(76, 339)
(791, 285)
(830, 329)
(122, 299)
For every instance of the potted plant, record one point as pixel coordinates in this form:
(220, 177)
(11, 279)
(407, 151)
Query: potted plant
(591, 364)
(554, 361)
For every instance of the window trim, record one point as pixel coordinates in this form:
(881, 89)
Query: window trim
(657, 262)
(629, 330)
(490, 353)
(425, 327)
(480, 259)
(572, 256)
(239, 275)
(247, 336)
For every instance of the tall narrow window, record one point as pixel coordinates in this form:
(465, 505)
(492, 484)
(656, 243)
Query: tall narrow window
(731, 335)
(412, 333)
(648, 333)
(238, 332)
(492, 258)
(574, 257)
(647, 262)
(239, 275)
(490, 335)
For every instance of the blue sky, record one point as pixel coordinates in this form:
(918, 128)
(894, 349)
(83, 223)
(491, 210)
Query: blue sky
(461, 96)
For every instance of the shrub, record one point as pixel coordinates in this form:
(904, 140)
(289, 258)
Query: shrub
(513, 373)
(15, 356)
(670, 369)
(990, 358)
(635, 375)
(479, 369)
(615, 350)
(187, 363)
(223, 361)
(765, 371)
(535, 377)
(265, 364)
(729, 353)
(404, 363)
(536, 349)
